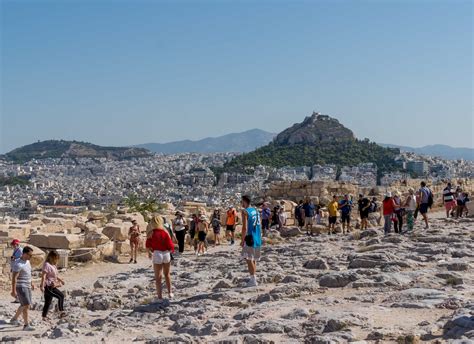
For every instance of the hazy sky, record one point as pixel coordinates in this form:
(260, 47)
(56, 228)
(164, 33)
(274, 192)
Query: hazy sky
(129, 72)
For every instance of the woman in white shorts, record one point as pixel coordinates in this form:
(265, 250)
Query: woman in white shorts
(159, 246)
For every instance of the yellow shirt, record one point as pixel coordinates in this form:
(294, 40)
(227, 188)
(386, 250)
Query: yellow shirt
(332, 208)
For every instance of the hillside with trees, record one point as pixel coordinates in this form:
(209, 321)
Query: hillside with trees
(72, 149)
(319, 140)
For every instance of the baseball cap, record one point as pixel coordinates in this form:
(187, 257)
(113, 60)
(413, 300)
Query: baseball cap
(15, 242)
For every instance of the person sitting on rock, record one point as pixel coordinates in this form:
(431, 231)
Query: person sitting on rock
(49, 284)
(134, 237)
(160, 246)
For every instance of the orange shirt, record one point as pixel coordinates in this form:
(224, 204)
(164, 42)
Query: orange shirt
(231, 216)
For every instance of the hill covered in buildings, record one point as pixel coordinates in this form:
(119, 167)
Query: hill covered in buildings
(236, 142)
(72, 149)
(319, 139)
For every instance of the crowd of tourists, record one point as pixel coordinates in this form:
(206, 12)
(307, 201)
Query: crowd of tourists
(395, 210)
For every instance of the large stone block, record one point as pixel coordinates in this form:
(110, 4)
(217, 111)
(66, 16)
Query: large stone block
(122, 247)
(20, 232)
(94, 239)
(56, 241)
(117, 231)
(85, 254)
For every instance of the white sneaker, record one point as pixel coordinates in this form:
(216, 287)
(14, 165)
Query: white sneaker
(14, 322)
(252, 282)
(28, 328)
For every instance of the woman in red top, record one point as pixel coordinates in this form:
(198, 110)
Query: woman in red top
(388, 209)
(159, 246)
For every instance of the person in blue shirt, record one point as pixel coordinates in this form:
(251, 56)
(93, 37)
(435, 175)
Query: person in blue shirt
(309, 210)
(345, 206)
(251, 238)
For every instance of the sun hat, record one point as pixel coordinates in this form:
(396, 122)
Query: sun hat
(388, 194)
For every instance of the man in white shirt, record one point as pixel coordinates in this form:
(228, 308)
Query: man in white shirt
(22, 287)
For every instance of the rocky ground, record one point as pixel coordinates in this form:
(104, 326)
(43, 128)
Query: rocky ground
(364, 287)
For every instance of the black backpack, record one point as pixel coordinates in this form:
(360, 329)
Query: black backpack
(430, 198)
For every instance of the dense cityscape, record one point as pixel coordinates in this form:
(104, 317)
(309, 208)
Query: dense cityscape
(101, 183)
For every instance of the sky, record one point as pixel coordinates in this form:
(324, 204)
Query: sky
(129, 72)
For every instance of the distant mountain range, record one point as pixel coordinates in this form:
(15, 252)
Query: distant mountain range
(442, 151)
(236, 142)
(314, 131)
(73, 149)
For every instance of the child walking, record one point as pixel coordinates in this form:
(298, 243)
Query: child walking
(50, 282)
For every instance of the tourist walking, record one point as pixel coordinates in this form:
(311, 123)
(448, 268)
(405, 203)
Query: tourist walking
(388, 208)
(399, 212)
(17, 251)
(299, 214)
(346, 208)
(333, 208)
(275, 219)
(50, 282)
(266, 216)
(160, 247)
(179, 229)
(461, 207)
(231, 222)
(449, 199)
(203, 228)
(281, 218)
(410, 207)
(22, 287)
(134, 237)
(216, 226)
(16, 254)
(425, 202)
(373, 205)
(309, 208)
(364, 209)
(193, 231)
(251, 239)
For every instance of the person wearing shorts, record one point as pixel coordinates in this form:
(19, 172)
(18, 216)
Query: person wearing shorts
(333, 207)
(346, 207)
(364, 209)
(216, 226)
(231, 221)
(22, 287)
(309, 211)
(134, 237)
(425, 193)
(160, 246)
(449, 199)
(203, 227)
(251, 241)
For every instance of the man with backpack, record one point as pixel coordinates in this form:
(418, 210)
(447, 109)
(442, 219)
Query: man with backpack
(425, 202)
